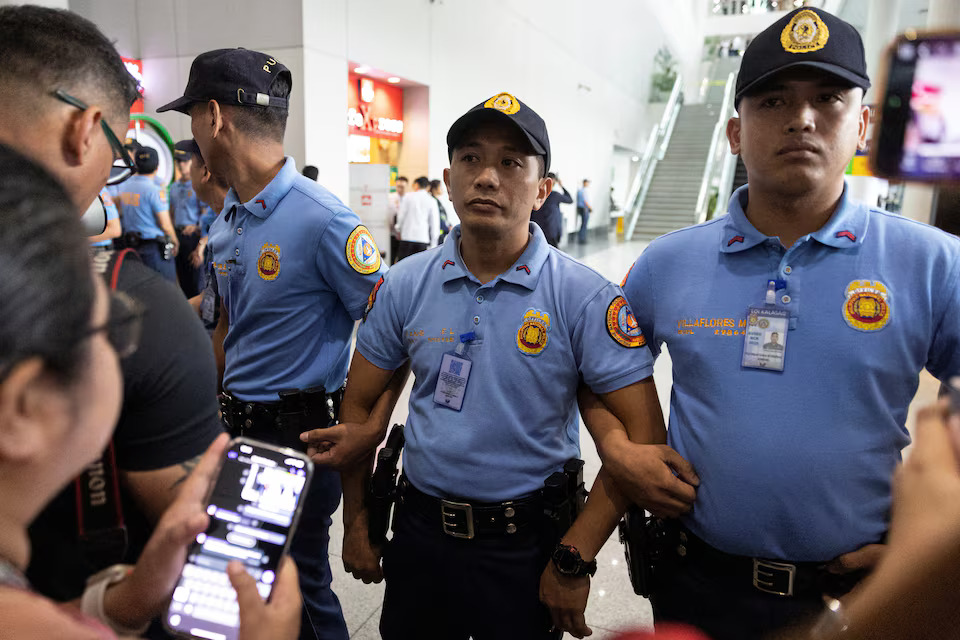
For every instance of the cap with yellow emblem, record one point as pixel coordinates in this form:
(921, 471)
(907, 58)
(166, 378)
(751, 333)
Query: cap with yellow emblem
(804, 37)
(510, 108)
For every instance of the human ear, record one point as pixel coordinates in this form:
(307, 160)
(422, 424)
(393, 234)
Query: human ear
(30, 412)
(78, 136)
(733, 135)
(546, 186)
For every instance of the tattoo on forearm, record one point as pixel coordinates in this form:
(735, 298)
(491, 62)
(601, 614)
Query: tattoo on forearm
(187, 467)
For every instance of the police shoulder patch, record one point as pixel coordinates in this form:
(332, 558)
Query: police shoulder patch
(268, 264)
(804, 33)
(362, 253)
(372, 298)
(866, 305)
(534, 332)
(623, 283)
(503, 102)
(622, 325)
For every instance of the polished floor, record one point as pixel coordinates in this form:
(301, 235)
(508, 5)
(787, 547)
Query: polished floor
(612, 605)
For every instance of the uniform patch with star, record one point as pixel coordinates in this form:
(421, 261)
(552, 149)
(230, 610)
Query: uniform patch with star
(362, 253)
(268, 264)
(534, 332)
(804, 33)
(622, 325)
(866, 305)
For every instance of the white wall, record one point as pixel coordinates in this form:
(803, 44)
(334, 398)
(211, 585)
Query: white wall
(585, 67)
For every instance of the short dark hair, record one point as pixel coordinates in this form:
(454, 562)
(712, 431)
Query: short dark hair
(422, 182)
(264, 123)
(47, 287)
(53, 49)
(199, 162)
(402, 178)
(434, 185)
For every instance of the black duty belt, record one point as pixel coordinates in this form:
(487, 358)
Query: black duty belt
(776, 577)
(469, 520)
(282, 422)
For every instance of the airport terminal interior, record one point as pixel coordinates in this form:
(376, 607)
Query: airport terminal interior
(635, 94)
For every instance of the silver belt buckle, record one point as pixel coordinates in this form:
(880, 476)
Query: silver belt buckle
(448, 514)
(773, 577)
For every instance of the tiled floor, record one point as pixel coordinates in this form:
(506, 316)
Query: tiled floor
(612, 603)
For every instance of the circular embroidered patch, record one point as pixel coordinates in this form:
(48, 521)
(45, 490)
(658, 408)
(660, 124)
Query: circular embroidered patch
(867, 305)
(534, 332)
(804, 33)
(503, 102)
(622, 325)
(362, 252)
(268, 264)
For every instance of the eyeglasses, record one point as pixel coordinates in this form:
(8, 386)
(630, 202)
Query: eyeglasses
(123, 326)
(123, 165)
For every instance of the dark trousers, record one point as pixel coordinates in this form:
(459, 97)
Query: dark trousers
(584, 219)
(190, 277)
(394, 247)
(152, 255)
(722, 606)
(406, 249)
(444, 588)
(322, 618)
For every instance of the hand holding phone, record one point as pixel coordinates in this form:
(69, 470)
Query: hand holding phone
(277, 620)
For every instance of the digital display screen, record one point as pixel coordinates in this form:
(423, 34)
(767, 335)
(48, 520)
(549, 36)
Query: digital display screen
(252, 509)
(931, 138)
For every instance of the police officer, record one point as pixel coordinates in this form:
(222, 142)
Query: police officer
(294, 268)
(796, 446)
(146, 216)
(187, 210)
(498, 328)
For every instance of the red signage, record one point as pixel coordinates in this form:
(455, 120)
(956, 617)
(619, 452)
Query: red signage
(135, 68)
(374, 109)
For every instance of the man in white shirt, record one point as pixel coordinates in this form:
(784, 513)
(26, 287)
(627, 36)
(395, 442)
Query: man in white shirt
(418, 220)
(393, 210)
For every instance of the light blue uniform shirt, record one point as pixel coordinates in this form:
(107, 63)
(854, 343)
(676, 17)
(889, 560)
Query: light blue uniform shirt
(140, 200)
(184, 205)
(797, 464)
(540, 325)
(294, 267)
(112, 214)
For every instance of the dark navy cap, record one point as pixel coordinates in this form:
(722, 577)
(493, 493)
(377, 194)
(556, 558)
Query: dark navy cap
(231, 77)
(147, 160)
(806, 37)
(184, 150)
(504, 105)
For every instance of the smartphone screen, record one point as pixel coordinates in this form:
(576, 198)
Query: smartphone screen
(919, 136)
(254, 507)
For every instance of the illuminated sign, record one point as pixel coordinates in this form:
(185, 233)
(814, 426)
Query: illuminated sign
(374, 109)
(135, 69)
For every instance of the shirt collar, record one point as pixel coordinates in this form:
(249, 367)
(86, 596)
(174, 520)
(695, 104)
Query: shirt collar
(845, 227)
(263, 204)
(524, 272)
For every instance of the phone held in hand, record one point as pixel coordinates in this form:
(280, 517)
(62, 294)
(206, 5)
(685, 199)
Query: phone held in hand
(917, 137)
(254, 506)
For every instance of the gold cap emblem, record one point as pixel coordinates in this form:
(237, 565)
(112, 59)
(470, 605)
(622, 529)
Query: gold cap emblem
(804, 33)
(503, 102)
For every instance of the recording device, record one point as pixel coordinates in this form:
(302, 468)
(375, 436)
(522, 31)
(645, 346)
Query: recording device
(254, 507)
(94, 219)
(917, 137)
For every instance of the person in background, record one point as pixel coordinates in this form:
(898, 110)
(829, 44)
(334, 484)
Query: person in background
(113, 229)
(436, 190)
(393, 209)
(186, 210)
(549, 216)
(418, 221)
(146, 217)
(584, 209)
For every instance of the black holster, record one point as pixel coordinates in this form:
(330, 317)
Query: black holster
(644, 539)
(564, 496)
(282, 422)
(383, 490)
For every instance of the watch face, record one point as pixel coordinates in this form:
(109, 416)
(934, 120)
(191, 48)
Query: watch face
(567, 560)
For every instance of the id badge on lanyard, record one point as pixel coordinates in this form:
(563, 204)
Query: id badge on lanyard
(454, 375)
(765, 340)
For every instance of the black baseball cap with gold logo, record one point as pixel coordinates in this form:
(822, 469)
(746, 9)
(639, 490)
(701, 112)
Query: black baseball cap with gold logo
(806, 37)
(231, 77)
(504, 106)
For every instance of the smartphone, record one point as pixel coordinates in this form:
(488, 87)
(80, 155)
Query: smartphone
(917, 137)
(254, 506)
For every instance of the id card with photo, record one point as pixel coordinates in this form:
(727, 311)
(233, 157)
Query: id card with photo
(765, 341)
(452, 381)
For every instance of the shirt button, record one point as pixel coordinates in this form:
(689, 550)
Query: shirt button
(788, 269)
(239, 231)
(238, 251)
(479, 299)
(785, 299)
(476, 319)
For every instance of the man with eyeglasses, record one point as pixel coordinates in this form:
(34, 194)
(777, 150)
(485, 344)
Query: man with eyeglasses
(68, 96)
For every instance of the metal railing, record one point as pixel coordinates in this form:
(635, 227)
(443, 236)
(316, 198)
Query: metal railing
(717, 144)
(657, 143)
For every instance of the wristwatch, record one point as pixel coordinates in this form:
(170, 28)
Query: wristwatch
(568, 562)
(91, 603)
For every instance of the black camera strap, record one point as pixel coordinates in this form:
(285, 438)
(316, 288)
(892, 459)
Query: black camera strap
(100, 526)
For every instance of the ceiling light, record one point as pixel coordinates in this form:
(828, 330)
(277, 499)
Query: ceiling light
(393, 79)
(362, 69)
